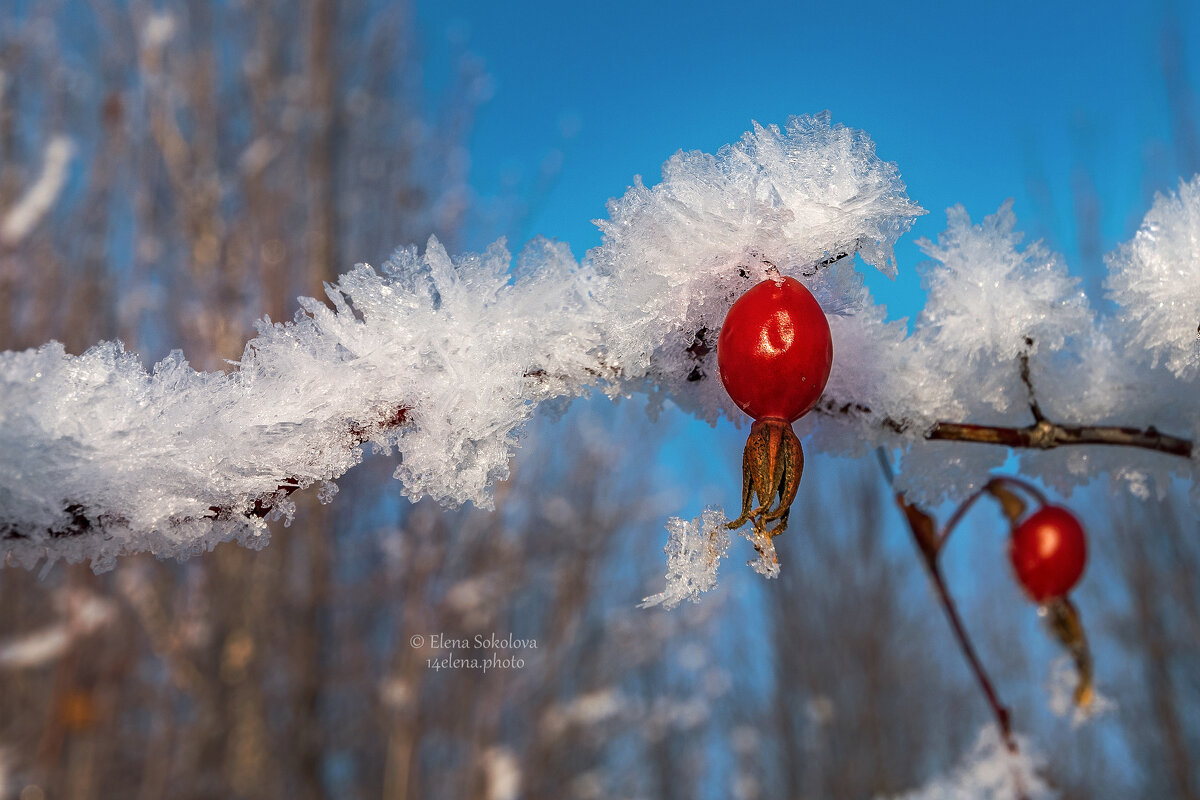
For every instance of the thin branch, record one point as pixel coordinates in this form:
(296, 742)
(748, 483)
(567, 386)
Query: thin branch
(923, 528)
(1047, 435)
(1034, 408)
(829, 261)
(263, 505)
(993, 487)
(959, 513)
(1042, 435)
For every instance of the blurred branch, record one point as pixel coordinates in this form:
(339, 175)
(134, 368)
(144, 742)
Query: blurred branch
(924, 532)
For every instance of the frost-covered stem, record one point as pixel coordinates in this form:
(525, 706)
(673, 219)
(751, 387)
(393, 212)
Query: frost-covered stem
(262, 507)
(923, 528)
(827, 262)
(1046, 435)
(81, 522)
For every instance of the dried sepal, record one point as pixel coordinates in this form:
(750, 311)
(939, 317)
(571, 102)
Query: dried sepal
(1066, 625)
(772, 464)
(1012, 505)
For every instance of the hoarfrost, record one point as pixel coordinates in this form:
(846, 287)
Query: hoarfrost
(1155, 281)
(442, 360)
(986, 298)
(694, 552)
(1061, 687)
(988, 302)
(989, 772)
(767, 563)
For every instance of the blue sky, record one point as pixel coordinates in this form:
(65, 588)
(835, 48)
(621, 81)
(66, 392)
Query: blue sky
(975, 103)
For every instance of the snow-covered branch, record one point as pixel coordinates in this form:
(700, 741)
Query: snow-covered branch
(444, 359)
(102, 457)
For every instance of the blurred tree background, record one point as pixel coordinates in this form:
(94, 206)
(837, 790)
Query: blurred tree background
(219, 159)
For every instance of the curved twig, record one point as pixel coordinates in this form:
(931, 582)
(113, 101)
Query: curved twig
(924, 532)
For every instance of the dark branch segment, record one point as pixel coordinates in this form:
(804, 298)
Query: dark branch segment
(1047, 435)
(1042, 435)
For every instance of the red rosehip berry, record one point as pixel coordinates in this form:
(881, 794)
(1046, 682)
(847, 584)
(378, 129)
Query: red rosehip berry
(1048, 551)
(775, 350)
(774, 355)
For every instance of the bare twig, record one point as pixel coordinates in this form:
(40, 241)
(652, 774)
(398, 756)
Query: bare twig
(990, 487)
(923, 528)
(1046, 435)
(1042, 435)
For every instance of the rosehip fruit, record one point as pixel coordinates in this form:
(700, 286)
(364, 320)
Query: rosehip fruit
(774, 355)
(775, 350)
(1048, 551)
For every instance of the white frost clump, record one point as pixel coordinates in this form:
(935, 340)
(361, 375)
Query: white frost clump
(989, 301)
(986, 295)
(767, 562)
(694, 552)
(985, 298)
(1155, 280)
(444, 359)
(989, 772)
(1061, 687)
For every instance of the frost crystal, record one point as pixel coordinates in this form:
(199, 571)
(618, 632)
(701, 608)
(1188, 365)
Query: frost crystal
(987, 303)
(1061, 687)
(989, 772)
(1155, 280)
(767, 563)
(694, 551)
